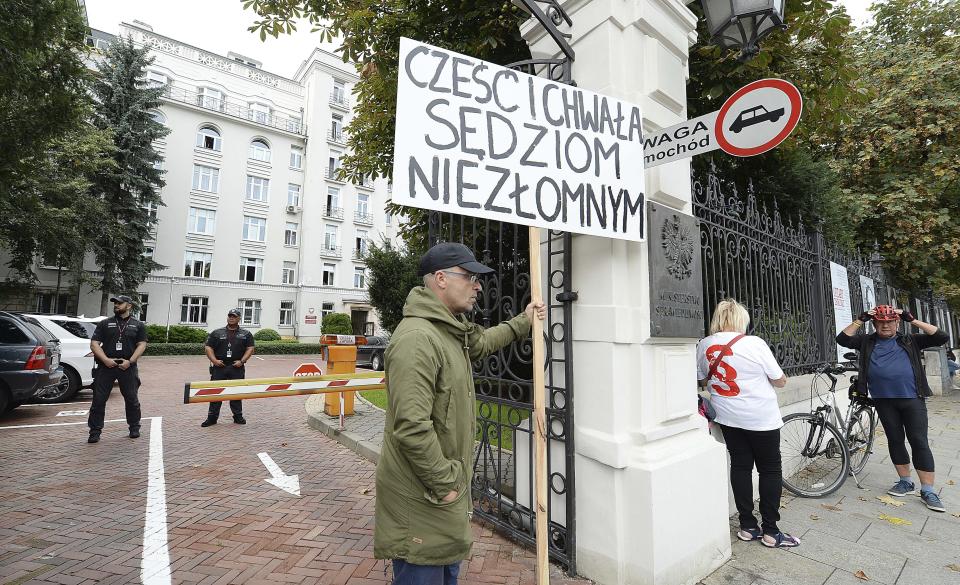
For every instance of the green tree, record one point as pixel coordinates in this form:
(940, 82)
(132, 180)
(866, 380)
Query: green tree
(393, 272)
(336, 324)
(899, 153)
(48, 150)
(123, 104)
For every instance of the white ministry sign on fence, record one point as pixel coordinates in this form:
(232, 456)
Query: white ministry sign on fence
(842, 313)
(482, 140)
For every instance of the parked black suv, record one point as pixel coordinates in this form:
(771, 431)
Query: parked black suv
(29, 360)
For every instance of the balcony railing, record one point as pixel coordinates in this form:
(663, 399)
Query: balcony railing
(331, 251)
(333, 212)
(233, 109)
(332, 174)
(365, 184)
(340, 100)
(359, 254)
(337, 137)
(364, 218)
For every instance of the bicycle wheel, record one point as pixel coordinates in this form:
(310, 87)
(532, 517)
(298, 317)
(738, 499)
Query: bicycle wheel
(814, 455)
(860, 433)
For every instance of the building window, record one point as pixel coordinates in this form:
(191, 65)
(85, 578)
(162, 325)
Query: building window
(333, 198)
(151, 209)
(325, 309)
(330, 237)
(197, 264)
(259, 150)
(359, 277)
(361, 242)
(258, 113)
(289, 273)
(206, 179)
(388, 217)
(363, 203)
(52, 304)
(208, 138)
(286, 313)
(296, 157)
(144, 303)
(254, 228)
(155, 79)
(148, 251)
(290, 234)
(250, 311)
(339, 92)
(158, 117)
(193, 310)
(251, 269)
(202, 221)
(293, 194)
(209, 98)
(329, 272)
(258, 189)
(336, 127)
(333, 164)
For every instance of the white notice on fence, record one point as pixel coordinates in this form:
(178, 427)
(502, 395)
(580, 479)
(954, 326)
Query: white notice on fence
(869, 293)
(478, 139)
(842, 314)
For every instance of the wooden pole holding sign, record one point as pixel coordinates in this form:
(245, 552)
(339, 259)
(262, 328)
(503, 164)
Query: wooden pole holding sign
(539, 414)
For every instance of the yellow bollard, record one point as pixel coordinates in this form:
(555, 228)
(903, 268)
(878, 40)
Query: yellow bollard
(341, 359)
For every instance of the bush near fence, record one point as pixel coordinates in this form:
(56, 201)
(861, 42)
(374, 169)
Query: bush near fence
(262, 348)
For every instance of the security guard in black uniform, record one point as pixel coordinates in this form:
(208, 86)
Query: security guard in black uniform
(228, 349)
(117, 344)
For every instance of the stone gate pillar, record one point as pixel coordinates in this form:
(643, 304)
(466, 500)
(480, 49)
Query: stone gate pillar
(651, 493)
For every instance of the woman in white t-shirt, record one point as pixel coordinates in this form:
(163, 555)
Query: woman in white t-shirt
(741, 373)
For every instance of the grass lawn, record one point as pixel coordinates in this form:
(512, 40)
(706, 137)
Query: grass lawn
(498, 413)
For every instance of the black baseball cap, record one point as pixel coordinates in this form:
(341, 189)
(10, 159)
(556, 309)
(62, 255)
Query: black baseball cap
(121, 299)
(448, 255)
(236, 312)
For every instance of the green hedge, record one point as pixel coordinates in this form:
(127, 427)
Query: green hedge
(262, 348)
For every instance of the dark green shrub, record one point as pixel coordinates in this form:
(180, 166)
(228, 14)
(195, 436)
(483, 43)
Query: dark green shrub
(184, 334)
(266, 335)
(337, 324)
(156, 334)
(263, 348)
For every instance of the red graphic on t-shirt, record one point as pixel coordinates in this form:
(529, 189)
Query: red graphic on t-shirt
(724, 372)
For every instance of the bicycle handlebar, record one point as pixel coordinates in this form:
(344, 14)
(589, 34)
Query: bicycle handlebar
(836, 369)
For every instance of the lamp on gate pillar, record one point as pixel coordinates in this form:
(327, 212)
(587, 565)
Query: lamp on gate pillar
(742, 24)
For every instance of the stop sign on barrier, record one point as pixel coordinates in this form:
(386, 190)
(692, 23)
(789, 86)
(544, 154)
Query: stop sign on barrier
(307, 370)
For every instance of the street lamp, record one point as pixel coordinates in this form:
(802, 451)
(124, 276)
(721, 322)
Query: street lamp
(742, 24)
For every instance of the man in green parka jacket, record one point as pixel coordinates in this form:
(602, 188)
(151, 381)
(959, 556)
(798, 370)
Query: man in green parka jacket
(424, 504)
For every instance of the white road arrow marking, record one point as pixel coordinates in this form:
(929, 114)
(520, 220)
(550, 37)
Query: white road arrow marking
(288, 483)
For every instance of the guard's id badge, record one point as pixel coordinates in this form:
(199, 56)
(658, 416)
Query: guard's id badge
(229, 352)
(119, 346)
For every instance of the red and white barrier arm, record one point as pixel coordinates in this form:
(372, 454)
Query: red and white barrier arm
(222, 390)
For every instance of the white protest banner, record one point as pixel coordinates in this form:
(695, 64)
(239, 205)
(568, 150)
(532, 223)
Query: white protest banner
(869, 293)
(842, 314)
(478, 139)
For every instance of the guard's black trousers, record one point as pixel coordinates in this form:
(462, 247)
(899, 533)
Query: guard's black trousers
(103, 380)
(227, 372)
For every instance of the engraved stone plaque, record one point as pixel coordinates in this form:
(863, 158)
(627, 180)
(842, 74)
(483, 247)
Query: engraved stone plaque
(676, 280)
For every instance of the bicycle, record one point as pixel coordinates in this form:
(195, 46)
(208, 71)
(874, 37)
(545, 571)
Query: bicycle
(817, 457)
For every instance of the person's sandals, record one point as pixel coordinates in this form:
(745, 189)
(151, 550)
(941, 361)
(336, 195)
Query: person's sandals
(781, 540)
(749, 534)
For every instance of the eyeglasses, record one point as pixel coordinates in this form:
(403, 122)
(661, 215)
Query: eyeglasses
(472, 277)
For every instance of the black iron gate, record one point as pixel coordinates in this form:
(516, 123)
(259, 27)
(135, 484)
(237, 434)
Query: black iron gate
(503, 486)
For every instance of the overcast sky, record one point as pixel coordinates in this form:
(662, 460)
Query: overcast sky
(220, 26)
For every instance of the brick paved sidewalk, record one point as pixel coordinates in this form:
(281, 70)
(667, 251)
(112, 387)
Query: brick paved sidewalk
(74, 513)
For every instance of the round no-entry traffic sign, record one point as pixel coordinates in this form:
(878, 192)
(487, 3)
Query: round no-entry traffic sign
(759, 116)
(307, 370)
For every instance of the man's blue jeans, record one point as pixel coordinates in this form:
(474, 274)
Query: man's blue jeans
(405, 573)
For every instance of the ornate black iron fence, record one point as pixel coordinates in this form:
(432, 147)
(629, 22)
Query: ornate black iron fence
(782, 272)
(503, 486)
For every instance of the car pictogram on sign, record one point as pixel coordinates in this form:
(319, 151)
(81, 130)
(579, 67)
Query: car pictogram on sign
(754, 115)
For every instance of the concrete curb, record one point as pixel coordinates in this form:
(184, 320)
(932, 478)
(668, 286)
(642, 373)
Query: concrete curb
(329, 425)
